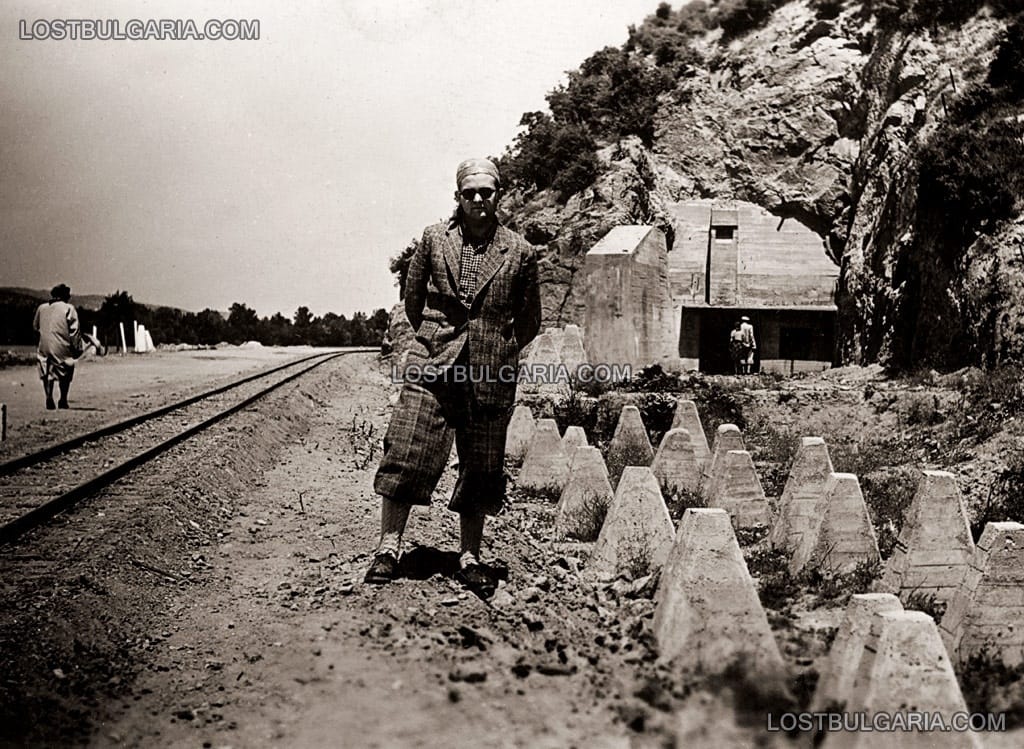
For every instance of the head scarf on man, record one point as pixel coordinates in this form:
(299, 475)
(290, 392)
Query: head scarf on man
(476, 166)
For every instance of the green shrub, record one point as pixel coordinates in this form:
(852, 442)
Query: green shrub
(970, 178)
(550, 153)
(991, 400)
(777, 587)
(827, 9)
(717, 406)
(614, 93)
(587, 519)
(888, 495)
(1005, 499)
(679, 501)
(737, 17)
(774, 453)
(1007, 69)
(576, 410)
(918, 600)
(653, 379)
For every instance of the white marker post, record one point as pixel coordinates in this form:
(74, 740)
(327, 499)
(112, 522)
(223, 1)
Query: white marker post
(124, 345)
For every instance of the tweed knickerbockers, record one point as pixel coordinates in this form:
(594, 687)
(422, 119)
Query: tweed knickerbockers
(419, 440)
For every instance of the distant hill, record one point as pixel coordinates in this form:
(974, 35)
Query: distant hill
(17, 294)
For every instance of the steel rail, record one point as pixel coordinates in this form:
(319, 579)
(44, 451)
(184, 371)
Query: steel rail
(24, 461)
(14, 529)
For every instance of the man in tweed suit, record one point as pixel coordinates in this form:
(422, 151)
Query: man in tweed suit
(472, 296)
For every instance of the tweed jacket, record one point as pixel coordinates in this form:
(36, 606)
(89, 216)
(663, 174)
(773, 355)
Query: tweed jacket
(502, 317)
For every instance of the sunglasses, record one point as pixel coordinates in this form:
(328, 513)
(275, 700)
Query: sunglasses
(469, 193)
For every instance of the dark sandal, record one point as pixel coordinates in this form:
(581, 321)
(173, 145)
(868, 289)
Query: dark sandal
(383, 570)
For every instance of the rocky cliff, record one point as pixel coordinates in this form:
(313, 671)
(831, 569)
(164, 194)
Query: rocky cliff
(821, 120)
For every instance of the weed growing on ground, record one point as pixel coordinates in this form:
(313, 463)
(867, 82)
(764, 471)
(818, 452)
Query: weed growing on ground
(576, 409)
(918, 600)
(1005, 499)
(923, 410)
(888, 495)
(991, 687)
(654, 379)
(586, 520)
(990, 401)
(774, 457)
(636, 558)
(750, 536)
(680, 500)
(657, 411)
(364, 443)
(777, 586)
(717, 406)
(867, 456)
(836, 588)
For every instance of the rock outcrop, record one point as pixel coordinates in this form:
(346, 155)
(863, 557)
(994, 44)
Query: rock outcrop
(819, 121)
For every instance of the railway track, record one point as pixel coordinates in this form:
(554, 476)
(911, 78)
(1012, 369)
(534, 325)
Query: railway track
(36, 487)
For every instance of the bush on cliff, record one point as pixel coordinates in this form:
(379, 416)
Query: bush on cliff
(549, 153)
(970, 179)
(737, 17)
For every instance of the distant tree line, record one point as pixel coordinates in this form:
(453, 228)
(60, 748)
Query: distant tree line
(209, 327)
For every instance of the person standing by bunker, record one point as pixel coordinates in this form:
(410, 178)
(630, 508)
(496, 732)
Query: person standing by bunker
(473, 298)
(750, 344)
(60, 343)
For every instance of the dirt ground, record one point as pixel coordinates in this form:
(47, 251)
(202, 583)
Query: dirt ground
(216, 601)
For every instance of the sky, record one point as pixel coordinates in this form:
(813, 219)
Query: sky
(279, 172)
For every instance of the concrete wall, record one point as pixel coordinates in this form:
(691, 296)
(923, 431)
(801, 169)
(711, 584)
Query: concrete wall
(629, 310)
(688, 260)
(771, 262)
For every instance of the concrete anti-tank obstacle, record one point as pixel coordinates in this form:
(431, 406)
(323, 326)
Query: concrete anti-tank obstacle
(904, 669)
(987, 610)
(728, 437)
(843, 536)
(800, 504)
(573, 355)
(735, 488)
(520, 432)
(637, 533)
(837, 676)
(543, 364)
(934, 547)
(574, 437)
(630, 445)
(708, 612)
(686, 417)
(546, 466)
(675, 464)
(586, 497)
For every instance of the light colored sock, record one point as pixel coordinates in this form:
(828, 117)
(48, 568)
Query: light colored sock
(471, 533)
(393, 518)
